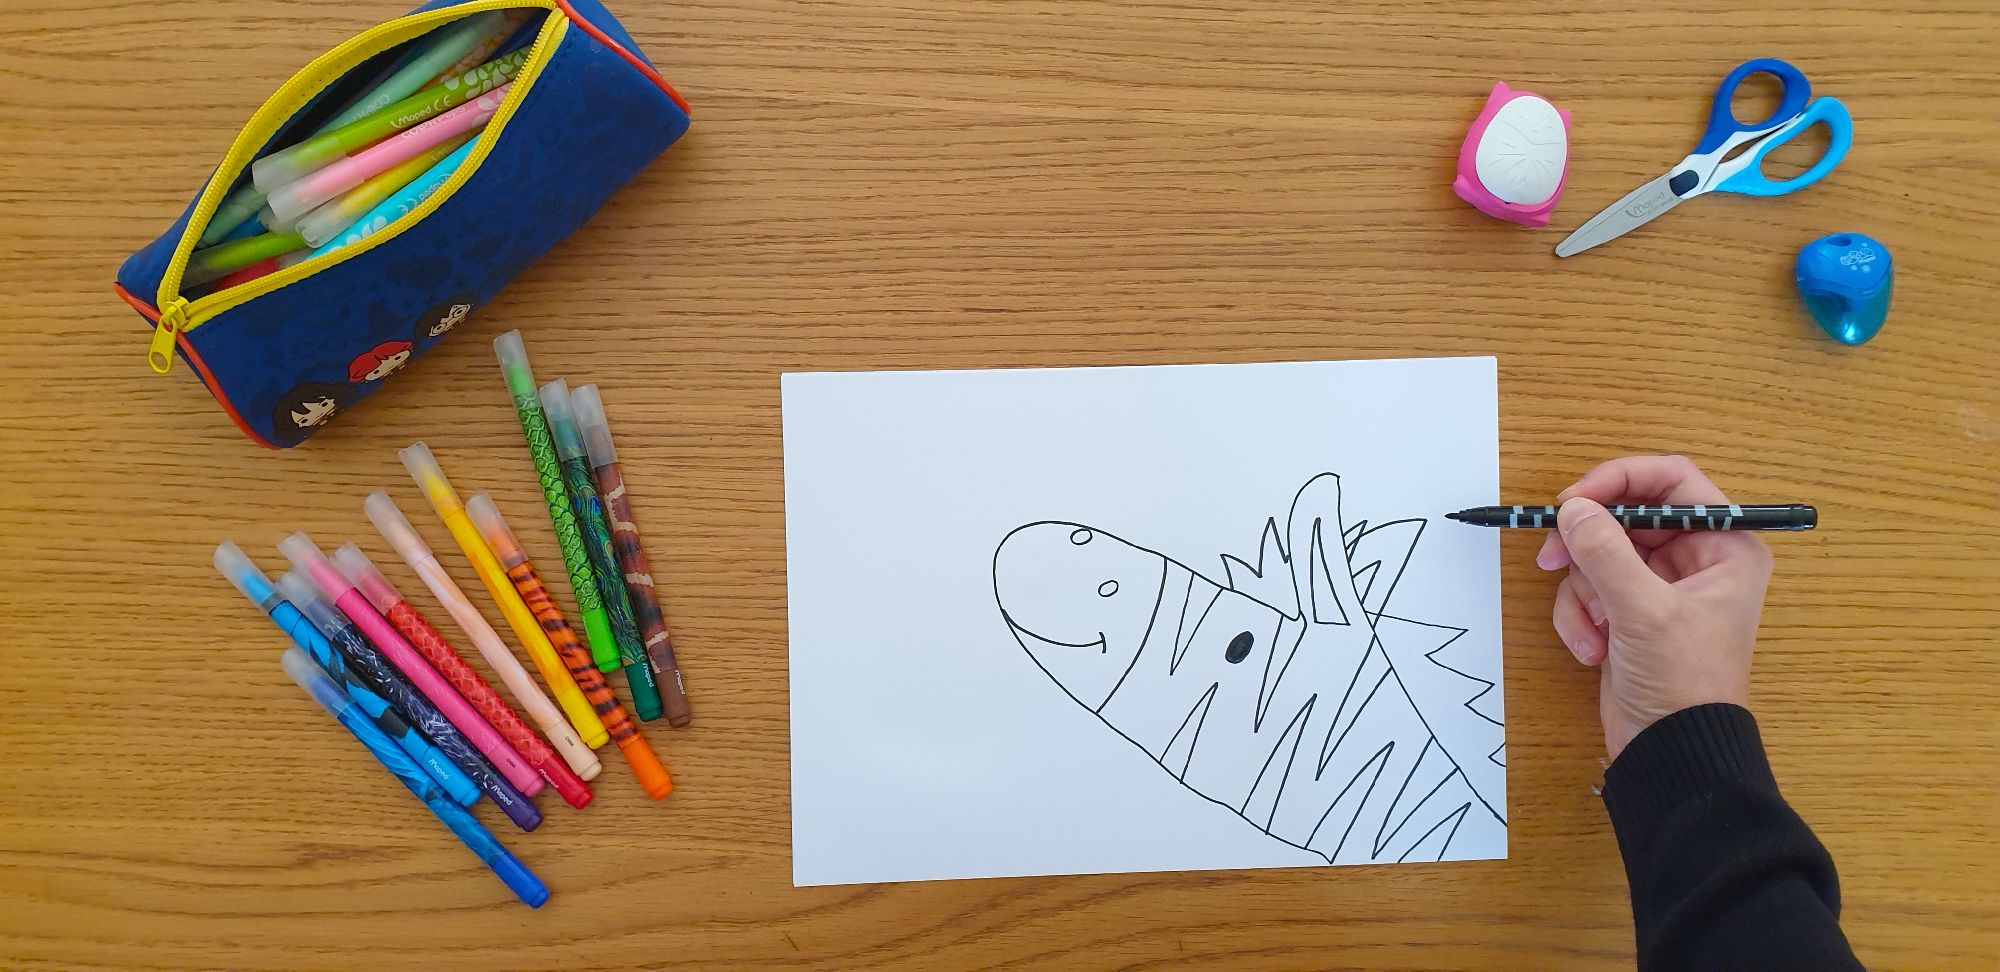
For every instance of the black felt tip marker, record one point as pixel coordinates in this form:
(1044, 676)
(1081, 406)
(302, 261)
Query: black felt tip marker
(1699, 516)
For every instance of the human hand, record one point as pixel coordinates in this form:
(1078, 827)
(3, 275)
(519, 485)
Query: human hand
(1668, 616)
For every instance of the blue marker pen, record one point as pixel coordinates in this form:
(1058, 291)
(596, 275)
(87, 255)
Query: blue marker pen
(378, 674)
(235, 565)
(523, 882)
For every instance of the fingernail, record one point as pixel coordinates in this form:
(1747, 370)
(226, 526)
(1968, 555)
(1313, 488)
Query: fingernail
(1570, 643)
(1546, 558)
(1565, 494)
(1595, 608)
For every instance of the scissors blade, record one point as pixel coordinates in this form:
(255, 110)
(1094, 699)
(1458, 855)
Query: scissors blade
(1639, 206)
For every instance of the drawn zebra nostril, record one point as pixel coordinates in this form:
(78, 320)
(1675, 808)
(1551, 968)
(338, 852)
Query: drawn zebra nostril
(1239, 647)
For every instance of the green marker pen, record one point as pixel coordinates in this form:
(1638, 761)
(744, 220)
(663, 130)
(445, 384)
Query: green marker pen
(548, 468)
(596, 527)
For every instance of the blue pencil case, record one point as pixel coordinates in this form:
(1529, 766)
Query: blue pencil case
(286, 352)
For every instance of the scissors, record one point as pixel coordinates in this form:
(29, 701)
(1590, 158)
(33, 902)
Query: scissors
(1709, 169)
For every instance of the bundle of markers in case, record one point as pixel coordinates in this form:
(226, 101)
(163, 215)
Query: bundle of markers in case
(365, 652)
(373, 161)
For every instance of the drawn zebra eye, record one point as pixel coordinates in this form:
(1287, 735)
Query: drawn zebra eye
(1107, 588)
(1239, 648)
(1080, 536)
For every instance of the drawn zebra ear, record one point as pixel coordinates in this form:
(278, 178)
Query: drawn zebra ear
(1268, 580)
(1320, 576)
(1377, 557)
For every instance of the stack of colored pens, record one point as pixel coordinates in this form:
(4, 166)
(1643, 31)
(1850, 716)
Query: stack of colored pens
(373, 160)
(365, 652)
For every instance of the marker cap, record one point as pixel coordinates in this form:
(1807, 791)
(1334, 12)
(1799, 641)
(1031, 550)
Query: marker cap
(357, 568)
(592, 425)
(562, 426)
(300, 668)
(514, 363)
(294, 587)
(429, 475)
(307, 559)
(492, 526)
(395, 527)
(236, 565)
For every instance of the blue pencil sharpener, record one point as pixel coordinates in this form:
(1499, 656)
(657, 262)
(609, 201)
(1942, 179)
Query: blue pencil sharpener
(1845, 280)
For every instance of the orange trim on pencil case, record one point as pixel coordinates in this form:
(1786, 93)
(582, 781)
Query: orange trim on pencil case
(152, 313)
(619, 49)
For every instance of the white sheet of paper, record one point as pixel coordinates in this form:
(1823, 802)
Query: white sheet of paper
(1018, 647)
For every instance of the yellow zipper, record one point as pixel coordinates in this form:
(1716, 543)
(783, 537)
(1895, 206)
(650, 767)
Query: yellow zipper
(179, 315)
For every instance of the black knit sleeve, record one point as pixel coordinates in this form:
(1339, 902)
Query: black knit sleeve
(1723, 874)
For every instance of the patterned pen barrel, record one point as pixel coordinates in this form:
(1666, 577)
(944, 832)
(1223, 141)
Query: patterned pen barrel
(500, 537)
(307, 559)
(426, 639)
(235, 565)
(1698, 516)
(596, 528)
(475, 836)
(555, 494)
(596, 430)
(380, 676)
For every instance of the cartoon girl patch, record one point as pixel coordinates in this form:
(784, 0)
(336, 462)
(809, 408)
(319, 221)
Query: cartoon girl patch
(442, 318)
(380, 361)
(303, 409)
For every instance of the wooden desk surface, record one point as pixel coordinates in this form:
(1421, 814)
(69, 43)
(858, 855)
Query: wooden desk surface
(962, 184)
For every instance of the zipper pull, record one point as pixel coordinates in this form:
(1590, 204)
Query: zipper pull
(173, 317)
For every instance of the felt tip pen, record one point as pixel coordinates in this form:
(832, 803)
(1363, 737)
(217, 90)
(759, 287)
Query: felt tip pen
(382, 677)
(243, 203)
(397, 205)
(218, 261)
(596, 529)
(490, 44)
(523, 882)
(295, 199)
(308, 560)
(395, 528)
(1698, 516)
(591, 423)
(535, 428)
(639, 754)
(438, 50)
(235, 565)
(291, 164)
(424, 468)
(237, 212)
(335, 216)
(429, 642)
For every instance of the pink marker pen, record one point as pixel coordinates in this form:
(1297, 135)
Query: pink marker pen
(295, 199)
(310, 562)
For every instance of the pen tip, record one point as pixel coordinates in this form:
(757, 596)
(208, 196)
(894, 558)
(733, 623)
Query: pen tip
(1454, 516)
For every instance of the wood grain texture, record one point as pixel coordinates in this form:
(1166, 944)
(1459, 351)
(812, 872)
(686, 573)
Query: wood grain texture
(950, 183)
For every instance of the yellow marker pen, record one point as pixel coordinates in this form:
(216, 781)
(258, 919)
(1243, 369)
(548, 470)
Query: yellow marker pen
(430, 478)
(395, 528)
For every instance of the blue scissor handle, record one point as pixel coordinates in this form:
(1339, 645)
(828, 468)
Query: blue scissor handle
(1722, 121)
(1840, 134)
